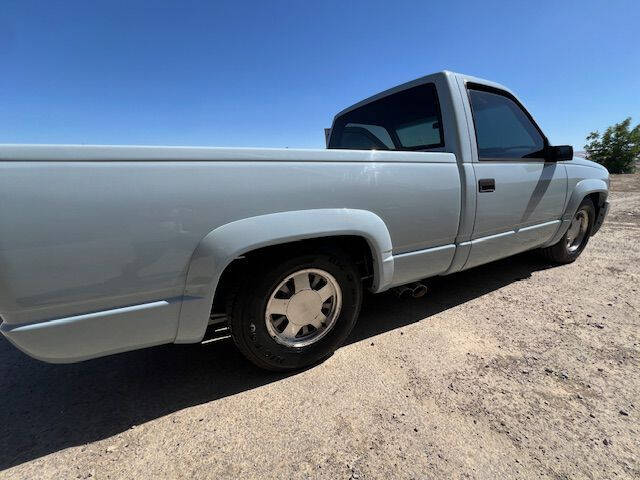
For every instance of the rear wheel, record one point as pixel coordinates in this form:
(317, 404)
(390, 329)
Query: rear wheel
(575, 239)
(293, 314)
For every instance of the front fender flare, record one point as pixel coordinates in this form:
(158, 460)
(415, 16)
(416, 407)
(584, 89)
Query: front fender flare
(227, 242)
(580, 191)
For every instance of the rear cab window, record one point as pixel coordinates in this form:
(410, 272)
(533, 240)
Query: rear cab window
(406, 120)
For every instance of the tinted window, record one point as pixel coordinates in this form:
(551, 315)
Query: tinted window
(407, 120)
(380, 134)
(503, 129)
(425, 131)
(359, 138)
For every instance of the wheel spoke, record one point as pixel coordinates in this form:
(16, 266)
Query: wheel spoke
(575, 228)
(291, 330)
(301, 282)
(277, 306)
(317, 322)
(326, 292)
(577, 231)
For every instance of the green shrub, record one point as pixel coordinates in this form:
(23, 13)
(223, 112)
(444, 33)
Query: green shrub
(617, 149)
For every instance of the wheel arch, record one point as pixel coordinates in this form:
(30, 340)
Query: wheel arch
(594, 188)
(220, 247)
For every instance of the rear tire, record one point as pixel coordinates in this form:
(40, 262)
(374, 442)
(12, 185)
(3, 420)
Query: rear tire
(575, 239)
(295, 313)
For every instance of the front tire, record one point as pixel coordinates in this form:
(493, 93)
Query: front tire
(292, 314)
(575, 239)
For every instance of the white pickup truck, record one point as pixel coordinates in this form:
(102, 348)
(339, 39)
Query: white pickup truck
(111, 248)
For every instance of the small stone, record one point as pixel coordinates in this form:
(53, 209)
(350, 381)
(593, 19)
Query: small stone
(607, 442)
(592, 415)
(624, 413)
(588, 315)
(525, 371)
(415, 429)
(372, 344)
(598, 325)
(548, 370)
(564, 375)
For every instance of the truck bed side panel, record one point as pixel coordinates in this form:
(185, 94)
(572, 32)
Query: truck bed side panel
(81, 237)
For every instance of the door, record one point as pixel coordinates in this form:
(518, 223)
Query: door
(519, 195)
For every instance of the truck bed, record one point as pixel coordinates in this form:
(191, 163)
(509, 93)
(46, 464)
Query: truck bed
(103, 237)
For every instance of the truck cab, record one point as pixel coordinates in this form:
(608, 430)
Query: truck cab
(515, 186)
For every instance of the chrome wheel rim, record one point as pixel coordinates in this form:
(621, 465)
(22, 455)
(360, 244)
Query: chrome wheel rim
(303, 308)
(577, 230)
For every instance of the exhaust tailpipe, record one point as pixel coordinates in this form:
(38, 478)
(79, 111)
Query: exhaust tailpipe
(411, 290)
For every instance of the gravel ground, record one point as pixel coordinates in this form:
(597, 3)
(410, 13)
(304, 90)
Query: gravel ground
(510, 370)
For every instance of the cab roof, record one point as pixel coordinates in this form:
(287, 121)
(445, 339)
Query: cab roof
(431, 78)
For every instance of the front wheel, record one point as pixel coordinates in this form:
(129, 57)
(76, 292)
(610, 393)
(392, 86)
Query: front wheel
(293, 314)
(575, 239)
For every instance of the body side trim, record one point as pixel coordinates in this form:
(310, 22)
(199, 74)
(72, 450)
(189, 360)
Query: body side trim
(24, 327)
(90, 335)
(421, 264)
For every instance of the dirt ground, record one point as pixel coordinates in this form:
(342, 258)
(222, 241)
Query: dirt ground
(510, 370)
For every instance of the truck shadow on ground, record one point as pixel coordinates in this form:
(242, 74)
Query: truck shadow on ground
(46, 408)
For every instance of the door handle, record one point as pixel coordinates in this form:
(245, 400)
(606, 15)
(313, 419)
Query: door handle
(487, 185)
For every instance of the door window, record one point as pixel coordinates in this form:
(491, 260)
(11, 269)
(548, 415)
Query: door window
(503, 129)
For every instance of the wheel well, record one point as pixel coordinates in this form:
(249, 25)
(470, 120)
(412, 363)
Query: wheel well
(597, 199)
(354, 246)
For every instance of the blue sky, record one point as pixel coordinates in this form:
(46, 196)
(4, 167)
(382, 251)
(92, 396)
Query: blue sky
(274, 73)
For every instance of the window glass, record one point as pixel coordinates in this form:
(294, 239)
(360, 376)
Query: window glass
(407, 120)
(503, 130)
(380, 133)
(358, 138)
(425, 131)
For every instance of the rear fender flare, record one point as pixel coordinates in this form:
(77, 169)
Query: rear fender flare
(227, 242)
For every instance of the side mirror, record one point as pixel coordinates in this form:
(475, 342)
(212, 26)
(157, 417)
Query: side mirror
(559, 153)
